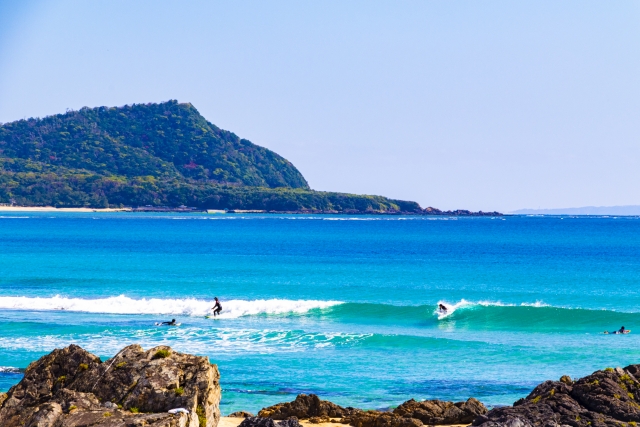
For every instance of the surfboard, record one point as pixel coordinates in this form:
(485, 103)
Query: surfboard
(617, 333)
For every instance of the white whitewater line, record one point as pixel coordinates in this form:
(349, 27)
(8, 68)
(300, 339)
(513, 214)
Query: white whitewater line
(190, 340)
(231, 309)
(462, 304)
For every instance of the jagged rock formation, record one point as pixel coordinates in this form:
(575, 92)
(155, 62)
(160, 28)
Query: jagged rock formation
(71, 387)
(409, 414)
(415, 414)
(305, 406)
(603, 399)
(438, 412)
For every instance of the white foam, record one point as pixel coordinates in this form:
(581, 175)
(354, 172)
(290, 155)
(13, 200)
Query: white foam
(189, 306)
(462, 304)
(352, 219)
(451, 308)
(9, 370)
(535, 304)
(188, 339)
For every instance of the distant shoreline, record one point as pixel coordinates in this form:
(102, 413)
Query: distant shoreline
(54, 209)
(150, 209)
(628, 210)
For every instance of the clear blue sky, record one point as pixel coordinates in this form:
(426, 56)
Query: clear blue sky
(455, 104)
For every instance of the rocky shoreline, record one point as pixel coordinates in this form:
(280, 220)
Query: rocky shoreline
(71, 387)
(168, 209)
(420, 212)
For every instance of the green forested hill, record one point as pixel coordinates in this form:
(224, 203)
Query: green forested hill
(163, 154)
(167, 140)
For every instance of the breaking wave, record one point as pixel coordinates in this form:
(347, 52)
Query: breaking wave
(189, 306)
(472, 315)
(462, 304)
(535, 316)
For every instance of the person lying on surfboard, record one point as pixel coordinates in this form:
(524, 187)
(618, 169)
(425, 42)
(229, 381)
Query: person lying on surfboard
(172, 323)
(622, 330)
(217, 308)
(442, 308)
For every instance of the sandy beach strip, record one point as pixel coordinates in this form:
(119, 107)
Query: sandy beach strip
(235, 422)
(54, 209)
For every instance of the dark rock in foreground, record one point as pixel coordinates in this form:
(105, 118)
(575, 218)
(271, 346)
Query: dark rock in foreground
(438, 412)
(268, 422)
(415, 414)
(305, 406)
(241, 414)
(603, 399)
(409, 414)
(71, 387)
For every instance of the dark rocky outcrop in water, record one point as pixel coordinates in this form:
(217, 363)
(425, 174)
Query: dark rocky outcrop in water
(71, 387)
(409, 414)
(603, 399)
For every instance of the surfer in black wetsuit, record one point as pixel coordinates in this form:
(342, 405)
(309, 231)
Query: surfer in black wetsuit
(442, 308)
(622, 330)
(217, 308)
(172, 323)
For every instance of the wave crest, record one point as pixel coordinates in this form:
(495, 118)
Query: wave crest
(451, 308)
(188, 306)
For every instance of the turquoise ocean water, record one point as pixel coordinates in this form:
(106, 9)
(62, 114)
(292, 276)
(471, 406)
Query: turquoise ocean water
(341, 306)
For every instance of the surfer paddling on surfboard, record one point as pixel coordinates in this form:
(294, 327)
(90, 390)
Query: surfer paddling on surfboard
(217, 308)
(172, 323)
(622, 330)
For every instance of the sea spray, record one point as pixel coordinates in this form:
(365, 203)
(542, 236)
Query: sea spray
(451, 308)
(188, 306)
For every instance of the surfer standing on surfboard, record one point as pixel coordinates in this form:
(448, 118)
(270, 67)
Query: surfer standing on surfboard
(217, 308)
(442, 308)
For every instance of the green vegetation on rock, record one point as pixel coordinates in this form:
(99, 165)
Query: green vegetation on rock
(161, 354)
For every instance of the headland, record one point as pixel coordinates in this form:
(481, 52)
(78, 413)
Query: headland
(161, 157)
(159, 209)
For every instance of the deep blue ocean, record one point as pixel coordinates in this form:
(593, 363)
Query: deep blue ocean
(340, 306)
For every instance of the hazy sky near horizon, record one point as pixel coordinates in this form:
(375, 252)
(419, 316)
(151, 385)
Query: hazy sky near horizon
(491, 105)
